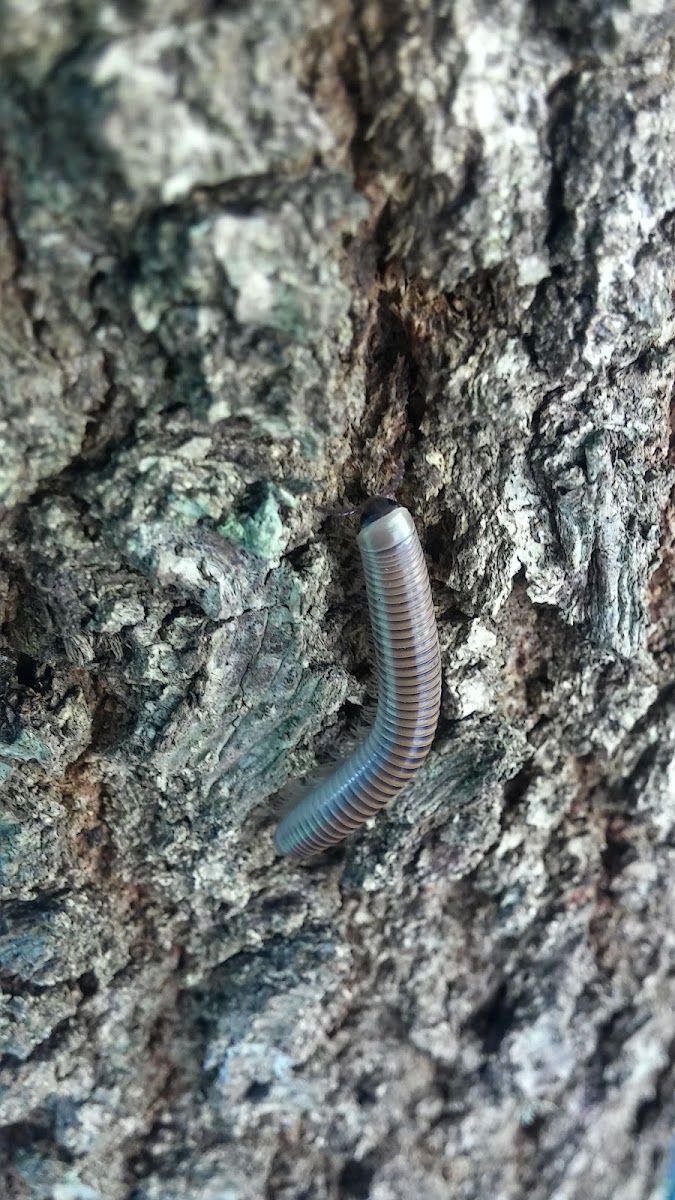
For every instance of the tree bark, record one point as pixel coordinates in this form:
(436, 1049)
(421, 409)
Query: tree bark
(255, 257)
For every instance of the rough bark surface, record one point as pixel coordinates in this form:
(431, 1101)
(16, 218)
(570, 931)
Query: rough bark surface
(253, 256)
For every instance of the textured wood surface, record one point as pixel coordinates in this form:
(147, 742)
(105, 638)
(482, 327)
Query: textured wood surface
(253, 256)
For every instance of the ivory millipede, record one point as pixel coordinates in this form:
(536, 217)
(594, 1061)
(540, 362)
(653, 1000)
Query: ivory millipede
(408, 664)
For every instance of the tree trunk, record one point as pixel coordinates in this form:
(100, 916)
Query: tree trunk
(255, 257)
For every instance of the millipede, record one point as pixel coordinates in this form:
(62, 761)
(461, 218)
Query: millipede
(408, 668)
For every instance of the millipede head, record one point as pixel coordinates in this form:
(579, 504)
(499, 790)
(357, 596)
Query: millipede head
(375, 508)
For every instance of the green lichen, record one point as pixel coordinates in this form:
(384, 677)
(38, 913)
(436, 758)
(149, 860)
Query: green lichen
(9, 837)
(261, 532)
(26, 748)
(190, 510)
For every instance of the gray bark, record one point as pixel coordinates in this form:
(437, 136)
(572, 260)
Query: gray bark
(253, 256)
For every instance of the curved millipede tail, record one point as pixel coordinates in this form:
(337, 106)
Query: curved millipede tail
(409, 689)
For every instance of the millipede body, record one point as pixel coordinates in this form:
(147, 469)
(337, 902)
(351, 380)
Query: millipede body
(409, 689)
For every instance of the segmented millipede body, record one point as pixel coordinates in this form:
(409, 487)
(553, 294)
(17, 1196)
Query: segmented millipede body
(409, 689)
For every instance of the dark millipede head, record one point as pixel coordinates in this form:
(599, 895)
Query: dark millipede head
(370, 510)
(378, 507)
